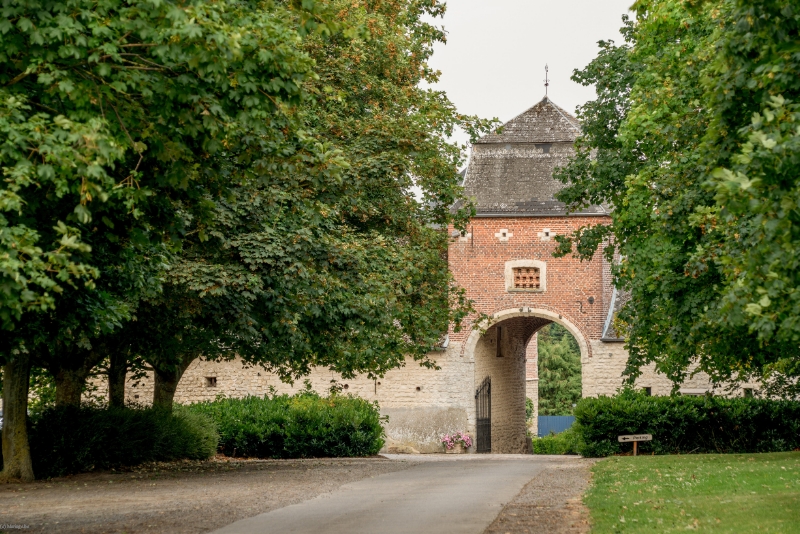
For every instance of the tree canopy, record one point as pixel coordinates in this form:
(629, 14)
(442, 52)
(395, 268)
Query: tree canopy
(693, 143)
(193, 178)
(112, 113)
(341, 265)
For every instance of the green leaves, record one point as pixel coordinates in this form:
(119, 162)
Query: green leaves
(61, 157)
(755, 91)
(319, 255)
(300, 426)
(109, 122)
(701, 178)
(685, 424)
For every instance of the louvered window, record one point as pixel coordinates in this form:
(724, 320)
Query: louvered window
(526, 278)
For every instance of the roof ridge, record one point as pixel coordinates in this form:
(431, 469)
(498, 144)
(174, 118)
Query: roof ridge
(518, 115)
(521, 123)
(564, 113)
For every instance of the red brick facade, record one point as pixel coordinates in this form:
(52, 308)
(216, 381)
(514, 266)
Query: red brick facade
(478, 261)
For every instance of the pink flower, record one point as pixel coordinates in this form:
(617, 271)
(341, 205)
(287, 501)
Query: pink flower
(450, 441)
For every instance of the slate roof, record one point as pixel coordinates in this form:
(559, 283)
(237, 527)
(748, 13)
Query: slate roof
(618, 300)
(511, 173)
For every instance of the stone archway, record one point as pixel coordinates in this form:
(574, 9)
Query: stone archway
(498, 351)
(551, 316)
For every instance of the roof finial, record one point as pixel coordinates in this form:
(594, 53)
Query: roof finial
(546, 79)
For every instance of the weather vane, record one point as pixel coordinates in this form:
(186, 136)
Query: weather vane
(546, 79)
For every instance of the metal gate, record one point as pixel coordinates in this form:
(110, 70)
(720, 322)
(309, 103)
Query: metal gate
(483, 413)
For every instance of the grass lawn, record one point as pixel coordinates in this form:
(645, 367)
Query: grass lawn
(710, 493)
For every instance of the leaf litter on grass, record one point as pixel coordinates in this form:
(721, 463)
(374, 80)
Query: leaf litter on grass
(709, 493)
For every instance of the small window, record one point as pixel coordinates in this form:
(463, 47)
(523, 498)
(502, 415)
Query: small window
(211, 381)
(499, 352)
(648, 392)
(526, 278)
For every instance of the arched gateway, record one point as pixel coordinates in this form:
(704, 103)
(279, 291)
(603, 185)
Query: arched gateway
(504, 354)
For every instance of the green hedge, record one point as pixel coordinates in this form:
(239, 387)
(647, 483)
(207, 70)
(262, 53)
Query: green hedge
(683, 424)
(73, 440)
(567, 442)
(300, 426)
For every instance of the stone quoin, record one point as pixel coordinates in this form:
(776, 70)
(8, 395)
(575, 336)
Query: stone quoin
(504, 262)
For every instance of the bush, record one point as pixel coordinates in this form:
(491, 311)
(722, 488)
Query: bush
(300, 426)
(682, 425)
(567, 442)
(72, 440)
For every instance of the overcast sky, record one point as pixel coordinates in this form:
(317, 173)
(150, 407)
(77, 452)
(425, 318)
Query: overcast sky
(493, 62)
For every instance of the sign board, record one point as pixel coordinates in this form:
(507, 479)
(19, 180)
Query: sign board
(635, 437)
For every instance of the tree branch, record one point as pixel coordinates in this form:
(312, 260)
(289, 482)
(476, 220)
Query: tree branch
(19, 77)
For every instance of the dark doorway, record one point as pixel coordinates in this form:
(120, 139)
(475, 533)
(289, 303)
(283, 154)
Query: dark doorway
(483, 412)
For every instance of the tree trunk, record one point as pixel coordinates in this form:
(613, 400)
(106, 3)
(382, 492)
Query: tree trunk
(17, 464)
(166, 382)
(117, 371)
(69, 386)
(72, 372)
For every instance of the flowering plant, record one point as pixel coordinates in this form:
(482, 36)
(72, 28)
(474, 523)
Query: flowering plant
(451, 440)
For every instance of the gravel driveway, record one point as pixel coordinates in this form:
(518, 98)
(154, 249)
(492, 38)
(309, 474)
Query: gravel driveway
(195, 497)
(551, 502)
(188, 497)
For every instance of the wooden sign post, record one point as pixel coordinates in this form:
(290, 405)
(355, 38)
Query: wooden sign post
(635, 438)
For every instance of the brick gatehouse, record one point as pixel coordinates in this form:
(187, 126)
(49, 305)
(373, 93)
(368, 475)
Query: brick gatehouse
(505, 263)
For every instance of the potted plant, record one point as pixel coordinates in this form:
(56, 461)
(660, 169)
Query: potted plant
(456, 443)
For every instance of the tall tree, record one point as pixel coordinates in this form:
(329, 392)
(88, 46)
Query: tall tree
(695, 232)
(753, 144)
(339, 265)
(559, 371)
(112, 115)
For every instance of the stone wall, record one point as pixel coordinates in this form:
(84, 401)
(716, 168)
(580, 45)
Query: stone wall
(422, 404)
(602, 375)
(507, 368)
(532, 380)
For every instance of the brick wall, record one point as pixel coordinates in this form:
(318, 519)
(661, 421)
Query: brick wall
(478, 260)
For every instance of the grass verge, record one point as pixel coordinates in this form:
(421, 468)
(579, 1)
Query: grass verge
(708, 493)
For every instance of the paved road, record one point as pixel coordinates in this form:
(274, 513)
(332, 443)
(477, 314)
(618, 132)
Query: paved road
(443, 494)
